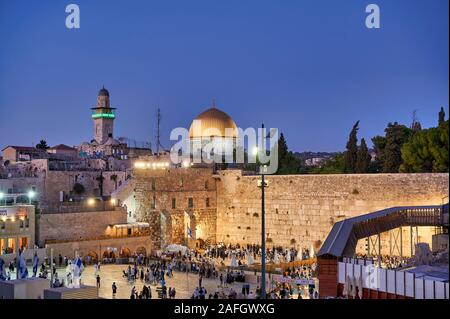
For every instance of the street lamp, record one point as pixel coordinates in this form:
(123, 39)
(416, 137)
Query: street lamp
(31, 195)
(262, 168)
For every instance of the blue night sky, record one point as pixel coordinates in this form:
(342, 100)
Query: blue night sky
(309, 68)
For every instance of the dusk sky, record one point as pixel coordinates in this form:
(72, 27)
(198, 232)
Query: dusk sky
(309, 68)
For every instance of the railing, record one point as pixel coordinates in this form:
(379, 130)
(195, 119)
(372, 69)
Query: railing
(77, 207)
(103, 237)
(424, 216)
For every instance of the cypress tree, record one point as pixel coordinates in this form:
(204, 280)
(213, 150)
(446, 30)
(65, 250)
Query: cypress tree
(441, 116)
(396, 136)
(351, 153)
(363, 158)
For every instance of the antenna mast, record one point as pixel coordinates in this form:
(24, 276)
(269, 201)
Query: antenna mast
(158, 118)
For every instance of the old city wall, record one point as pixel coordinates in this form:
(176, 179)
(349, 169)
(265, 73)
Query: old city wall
(57, 181)
(301, 209)
(162, 199)
(79, 225)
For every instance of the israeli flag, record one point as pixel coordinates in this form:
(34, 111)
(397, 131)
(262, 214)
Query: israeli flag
(35, 264)
(2, 270)
(189, 231)
(78, 269)
(22, 270)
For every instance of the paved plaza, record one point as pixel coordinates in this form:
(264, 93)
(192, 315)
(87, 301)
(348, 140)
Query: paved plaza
(184, 283)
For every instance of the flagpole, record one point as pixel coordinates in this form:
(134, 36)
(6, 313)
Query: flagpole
(17, 264)
(51, 267)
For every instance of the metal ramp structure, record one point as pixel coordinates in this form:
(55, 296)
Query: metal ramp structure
(344, 235)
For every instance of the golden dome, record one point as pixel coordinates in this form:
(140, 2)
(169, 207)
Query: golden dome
(213, 123)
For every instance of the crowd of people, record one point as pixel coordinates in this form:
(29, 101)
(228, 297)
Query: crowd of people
(223, 264)
(248, 254)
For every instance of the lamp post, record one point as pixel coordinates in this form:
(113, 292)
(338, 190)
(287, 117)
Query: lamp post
(31, 195)
(263, 229)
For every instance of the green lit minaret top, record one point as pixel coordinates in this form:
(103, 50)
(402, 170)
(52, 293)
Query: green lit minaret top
(103, 116)
(103, 108)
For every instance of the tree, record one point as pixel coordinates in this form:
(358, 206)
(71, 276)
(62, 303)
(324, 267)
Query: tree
(441, 116)
(396, 136)
(427, 151)
(287, 162)
(42, 145)
(350, 155)
(379, 143)
(78, 189)
(334, 165)
(363, 158)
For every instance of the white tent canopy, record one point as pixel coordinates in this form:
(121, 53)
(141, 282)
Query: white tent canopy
(174, 248)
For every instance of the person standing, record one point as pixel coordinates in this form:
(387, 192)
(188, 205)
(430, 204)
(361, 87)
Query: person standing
(114, 289)
(98, 280)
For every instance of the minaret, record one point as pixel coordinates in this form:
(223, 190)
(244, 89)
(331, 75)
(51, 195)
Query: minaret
(103, 115)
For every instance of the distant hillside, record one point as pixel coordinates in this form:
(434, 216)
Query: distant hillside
(310, 155)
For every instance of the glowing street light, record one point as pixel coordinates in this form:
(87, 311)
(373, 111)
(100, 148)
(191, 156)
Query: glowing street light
(91, 201)
(31, 195)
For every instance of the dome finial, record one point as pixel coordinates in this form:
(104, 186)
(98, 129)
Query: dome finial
(103, 92)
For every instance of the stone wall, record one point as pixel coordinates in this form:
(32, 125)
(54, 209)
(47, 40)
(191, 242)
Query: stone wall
(57, 181)
(78, 226)
(162, 199)
(301, 209)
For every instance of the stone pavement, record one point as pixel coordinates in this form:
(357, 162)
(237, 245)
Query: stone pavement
(183, 283)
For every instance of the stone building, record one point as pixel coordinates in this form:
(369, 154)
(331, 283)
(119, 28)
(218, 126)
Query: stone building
(103, 144)
(98, 229)
(17, 224)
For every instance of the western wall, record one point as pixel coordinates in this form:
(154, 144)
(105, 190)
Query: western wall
(300, 210)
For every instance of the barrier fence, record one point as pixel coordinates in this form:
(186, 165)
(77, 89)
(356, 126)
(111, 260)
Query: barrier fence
(396, 282)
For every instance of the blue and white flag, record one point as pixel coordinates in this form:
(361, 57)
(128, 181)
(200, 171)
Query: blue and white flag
(2, 270)
(22, 271)
(35, 264)
(78, 267)
(189, 231)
